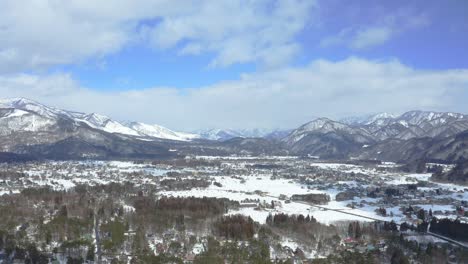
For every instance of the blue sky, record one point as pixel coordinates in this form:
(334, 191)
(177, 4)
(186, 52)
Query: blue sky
(142, 67)
(239, 64)
(439, 43)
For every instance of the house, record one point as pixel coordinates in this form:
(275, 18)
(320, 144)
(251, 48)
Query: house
(461, 211)
(248, 205)
(349, 242)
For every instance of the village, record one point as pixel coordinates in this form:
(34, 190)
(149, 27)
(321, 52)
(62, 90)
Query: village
(295, 209)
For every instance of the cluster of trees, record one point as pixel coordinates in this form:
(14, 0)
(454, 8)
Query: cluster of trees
(204, 206)
(390, 226)
(27, 253)
(405, 227)
(421, 227)
(63, 222)
(184, 184)
(307, 230)
(188, 163)
(450, 228)
(346, 195)
(112, 189)
(254, 251)
(399, 251)
(354, 230)
(162, 213)
(22, 244)
(458, 174)
(418, 166)
(114, 231)
(177, 205)
(381, 211)
(236, 227)
(315, 198)
(265, 166)
(392, 192)
(349, 257)
(284, 219)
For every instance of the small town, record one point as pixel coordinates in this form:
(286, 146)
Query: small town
(295, 209)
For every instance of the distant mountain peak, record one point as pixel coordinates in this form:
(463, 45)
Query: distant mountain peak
(96, 119)
(418, 116)
(19, 102)
(229, 133)
(50, 117)
(322, 123)
(367, 119)
(411, 124)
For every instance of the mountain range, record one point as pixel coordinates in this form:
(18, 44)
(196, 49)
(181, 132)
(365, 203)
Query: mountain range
(377, 136)
(226, 134)
(36, 130)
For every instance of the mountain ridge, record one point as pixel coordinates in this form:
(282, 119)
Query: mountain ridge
(94, 120)
(29, 127)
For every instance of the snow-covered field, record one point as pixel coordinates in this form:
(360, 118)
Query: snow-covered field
(237, 179)
(266, 190)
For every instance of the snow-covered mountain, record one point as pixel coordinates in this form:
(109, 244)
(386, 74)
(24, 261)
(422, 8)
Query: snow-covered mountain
(323, 126)
(218, 134)
(28, 127)
(225, 134)
(416, 124)
(415, 117)
(20, 114)
(158, 131)
(106, 124)
(325, 137)
(30, 130)
(412, 124)
(30, 115)
(366, 119)
(12, 120)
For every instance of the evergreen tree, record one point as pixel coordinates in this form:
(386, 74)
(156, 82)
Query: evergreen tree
(422, 214)
(357, 231)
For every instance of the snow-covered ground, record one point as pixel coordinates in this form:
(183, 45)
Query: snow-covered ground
(65, 175)
(246, 157)
(236, 179)
(269, 190)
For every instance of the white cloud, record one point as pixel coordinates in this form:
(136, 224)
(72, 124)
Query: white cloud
(39, 34)
(35, 35)
(381, 31)
(237, 32)
(29, 85)
(371, 37)
(283, 97)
